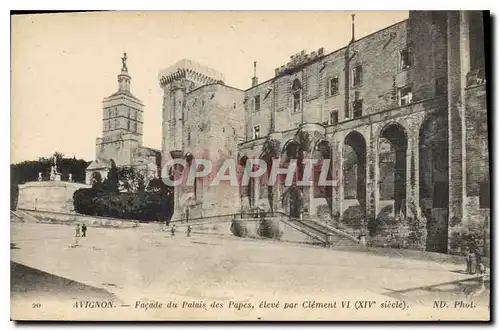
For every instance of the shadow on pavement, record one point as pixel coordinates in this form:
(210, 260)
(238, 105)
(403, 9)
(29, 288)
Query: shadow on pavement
(26, 281)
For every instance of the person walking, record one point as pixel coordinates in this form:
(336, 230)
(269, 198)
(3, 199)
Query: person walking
(77, 234)
(471, 262)
(84, 230)
(189, 231)
(172, 230)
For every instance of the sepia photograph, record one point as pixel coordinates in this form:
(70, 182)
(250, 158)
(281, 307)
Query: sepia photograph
(250, 166)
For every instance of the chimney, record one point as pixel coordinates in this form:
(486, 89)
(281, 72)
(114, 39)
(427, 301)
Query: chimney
(255, 80)
(353, 19)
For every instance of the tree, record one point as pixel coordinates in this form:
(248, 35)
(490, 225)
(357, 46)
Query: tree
(28, 171)
(97, 180)
(112, 182)
(131, 180)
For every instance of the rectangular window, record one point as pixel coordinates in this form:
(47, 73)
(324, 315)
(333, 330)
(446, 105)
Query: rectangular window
(357, 75)
(256, 103)
(357, 108)
(334, 117)
(484, 194)
(333, 86)
(404, 95)
(116, 124)
(405, 59)
(256, 132)
(189, 137)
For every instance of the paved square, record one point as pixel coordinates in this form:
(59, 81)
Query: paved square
(147, 265)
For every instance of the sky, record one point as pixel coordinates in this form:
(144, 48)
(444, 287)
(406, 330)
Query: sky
(63, 65)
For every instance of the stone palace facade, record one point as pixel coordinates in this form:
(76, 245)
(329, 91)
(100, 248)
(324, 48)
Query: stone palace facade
(401, 113)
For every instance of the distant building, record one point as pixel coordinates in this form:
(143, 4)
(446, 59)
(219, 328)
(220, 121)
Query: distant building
(122, 128)
(401, 113)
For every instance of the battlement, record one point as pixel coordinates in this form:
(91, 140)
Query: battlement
(299, 59)
(190, 70)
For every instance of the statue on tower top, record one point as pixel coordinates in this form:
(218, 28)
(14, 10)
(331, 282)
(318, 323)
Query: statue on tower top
(124, 62)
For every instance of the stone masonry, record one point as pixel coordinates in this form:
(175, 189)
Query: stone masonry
(401, 113)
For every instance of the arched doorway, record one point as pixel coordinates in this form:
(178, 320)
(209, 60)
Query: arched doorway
(323, 151)
(292, 202)
(248, 190)
(291, 151)
(434, 183)
(354, 168)
(392, 146)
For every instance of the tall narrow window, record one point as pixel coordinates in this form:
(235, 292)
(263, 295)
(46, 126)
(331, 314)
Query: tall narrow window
(189, 137)
(357, 75)
(128, 114)
(116, 124)
(334, 117)
(256, 132)
(357, 108)
(333, 86)
(256, 103)
(404, 95)
(297, 96)
(128, 125)
(405, 59)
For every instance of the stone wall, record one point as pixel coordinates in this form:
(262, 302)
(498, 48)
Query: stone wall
(53, 217)
(477, 153)
(48, 195)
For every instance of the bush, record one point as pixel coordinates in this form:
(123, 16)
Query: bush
(238, 228)
(467, 236)
(151, 206)
(269, 229)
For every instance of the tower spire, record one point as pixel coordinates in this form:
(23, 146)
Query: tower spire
(353, 17)
(255, 80)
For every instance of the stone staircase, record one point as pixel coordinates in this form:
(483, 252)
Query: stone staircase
(21, 216)
(326, 234)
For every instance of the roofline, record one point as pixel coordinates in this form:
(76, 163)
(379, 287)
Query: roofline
(335, 51)
(218, 83)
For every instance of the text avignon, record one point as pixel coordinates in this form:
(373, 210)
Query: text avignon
(100, 304)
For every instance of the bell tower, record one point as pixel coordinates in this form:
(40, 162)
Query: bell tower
(122, 121)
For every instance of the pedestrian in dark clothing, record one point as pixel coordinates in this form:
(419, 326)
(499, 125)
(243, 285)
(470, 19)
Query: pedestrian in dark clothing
(471, 262)
(189, 231)
(84, 230)
(478, 262)
(172, 230)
